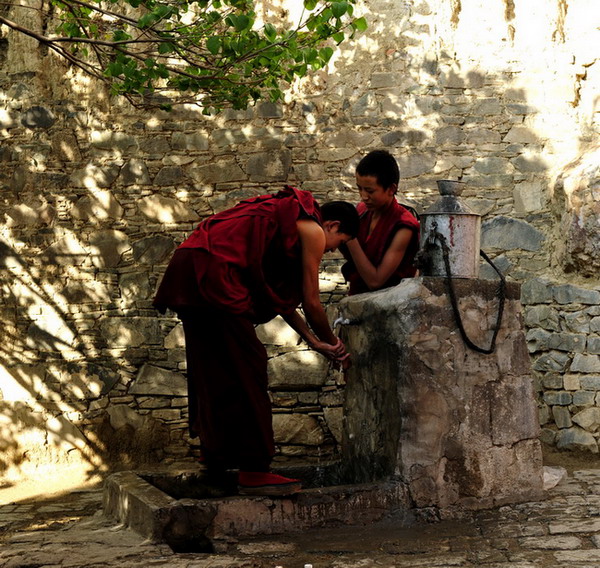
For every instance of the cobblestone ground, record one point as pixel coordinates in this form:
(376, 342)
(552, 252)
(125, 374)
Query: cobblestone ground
(561, 531)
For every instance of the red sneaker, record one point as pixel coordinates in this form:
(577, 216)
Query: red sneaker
(267, 484)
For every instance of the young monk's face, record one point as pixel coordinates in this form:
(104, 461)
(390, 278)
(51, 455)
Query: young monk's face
(373, 195)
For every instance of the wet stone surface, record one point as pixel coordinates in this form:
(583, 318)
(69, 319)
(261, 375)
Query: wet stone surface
(562, 530)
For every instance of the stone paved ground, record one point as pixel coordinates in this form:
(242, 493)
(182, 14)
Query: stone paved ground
(563, 531)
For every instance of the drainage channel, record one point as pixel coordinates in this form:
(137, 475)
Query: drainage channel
(193, 513)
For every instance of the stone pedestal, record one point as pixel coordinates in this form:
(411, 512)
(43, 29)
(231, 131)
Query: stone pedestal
(458, 427)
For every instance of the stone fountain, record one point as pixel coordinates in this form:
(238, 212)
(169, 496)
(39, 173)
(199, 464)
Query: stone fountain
(439, 414)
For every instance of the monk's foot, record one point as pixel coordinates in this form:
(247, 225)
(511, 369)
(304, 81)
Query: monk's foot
(267, 484)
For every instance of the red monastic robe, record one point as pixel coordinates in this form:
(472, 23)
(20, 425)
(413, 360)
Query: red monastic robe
(239, 267)
(376, 244)
(245, 260)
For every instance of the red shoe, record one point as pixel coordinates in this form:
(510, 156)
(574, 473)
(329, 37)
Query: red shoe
(266, 484)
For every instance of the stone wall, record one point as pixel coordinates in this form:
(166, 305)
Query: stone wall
(96, 195)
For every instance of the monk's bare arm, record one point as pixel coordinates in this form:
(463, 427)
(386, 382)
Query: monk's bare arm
(377, 276)
(319, 336)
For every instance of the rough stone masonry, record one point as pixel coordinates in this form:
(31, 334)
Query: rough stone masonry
(96, 195)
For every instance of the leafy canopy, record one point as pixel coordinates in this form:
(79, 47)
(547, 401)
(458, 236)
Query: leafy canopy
(215, 53)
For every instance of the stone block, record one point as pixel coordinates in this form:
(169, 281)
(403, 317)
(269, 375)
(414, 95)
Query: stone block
(548, 436)
(38, 117)
(595, 324)
(297, 429)
(588, 419)
(171, 176)
(508, 234)
(335, 154)
(584, 398)
(414, 165)
(562, 416)
(156, 146)
(193, 141)
(536, 291)
(166, 209)
(510, 411)
(152, 381)
(577, 322)
(593, 345)
(478, 136)
(219, 171)
(529, 165)
(538, 340)
(269, 166)
(528, 197)
(544, 413)
(552, 381)
(130, 332)
(576, 438)
(569, 294)
(93, 176)
(107, 248)
(98, 206)
(567, 342)
(268, 109)
(590, 383)
(133, 172)
(585, 363)
(559, 398)
(334, 417)
(65, 145)
(542, 316)
(492, 165)
(110, 140)
(552, 361)
(297, 370)
(403, 138)
(66, 251)
(450, 135)
(175, 339)
(153, 250)
(571, 382)
(23, 215)
(135, 286)
(277, 332)
(521, 135)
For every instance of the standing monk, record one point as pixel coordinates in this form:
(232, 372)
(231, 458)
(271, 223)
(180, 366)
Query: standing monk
(239, 268)
(388, 238)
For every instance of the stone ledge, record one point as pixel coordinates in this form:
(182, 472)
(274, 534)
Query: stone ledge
(197, 524)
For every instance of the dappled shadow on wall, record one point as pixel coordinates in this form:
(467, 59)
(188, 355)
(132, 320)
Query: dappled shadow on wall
(79, 267)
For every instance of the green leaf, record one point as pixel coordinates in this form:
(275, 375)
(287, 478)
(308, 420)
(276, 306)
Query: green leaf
(338, 37)
(146, 20)
(242, 22)
(165, 47)
(270, 32)
(113, 69)
(213, 44)
(120, 35)
(326, 53)
(310, 5)
(339, 8)
(360, 24)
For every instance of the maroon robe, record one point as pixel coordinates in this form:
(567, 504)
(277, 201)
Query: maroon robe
(375, 245)
(239, 267)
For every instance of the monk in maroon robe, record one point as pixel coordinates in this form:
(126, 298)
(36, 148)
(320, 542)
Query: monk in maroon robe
(239, 268)
(388, 237)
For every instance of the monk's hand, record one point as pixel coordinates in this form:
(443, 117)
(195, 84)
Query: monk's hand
(333, 351)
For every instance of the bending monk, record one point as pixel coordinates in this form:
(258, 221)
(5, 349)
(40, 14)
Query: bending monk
(239, 268)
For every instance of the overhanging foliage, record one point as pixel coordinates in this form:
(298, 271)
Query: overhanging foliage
(215, 53)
